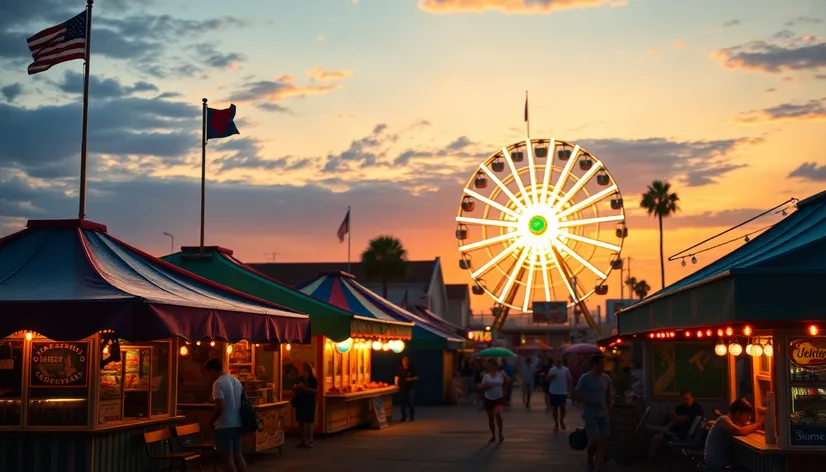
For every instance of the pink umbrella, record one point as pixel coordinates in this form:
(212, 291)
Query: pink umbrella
(582, 349)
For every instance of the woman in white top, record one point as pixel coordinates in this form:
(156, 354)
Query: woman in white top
(493, 384)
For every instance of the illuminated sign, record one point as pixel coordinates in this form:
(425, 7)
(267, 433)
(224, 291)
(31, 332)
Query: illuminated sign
(480, 336)
(808, 352)
(59, 364)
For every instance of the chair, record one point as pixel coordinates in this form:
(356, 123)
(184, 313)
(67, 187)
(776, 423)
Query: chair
(190, 437)
(174, 460)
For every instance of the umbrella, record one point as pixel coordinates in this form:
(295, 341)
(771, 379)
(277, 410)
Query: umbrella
(495, 352)
(582, 349)
(535, 345)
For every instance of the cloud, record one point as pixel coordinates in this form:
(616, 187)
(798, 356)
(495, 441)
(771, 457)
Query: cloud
(809, 171)
(512, 6)
(210, 56)
(731, 23)
(802, 20)
(10, 92)
(279, 89)
(321, 75)
(101, 87)
(805, 54)
(810, 110)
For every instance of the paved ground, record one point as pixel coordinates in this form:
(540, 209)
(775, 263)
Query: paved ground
(449, 438)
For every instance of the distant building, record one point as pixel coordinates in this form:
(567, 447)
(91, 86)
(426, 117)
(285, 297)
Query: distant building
(424, 283)
(458, 304)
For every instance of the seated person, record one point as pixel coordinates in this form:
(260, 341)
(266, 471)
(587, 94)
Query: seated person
(719, 450)
(679, 422)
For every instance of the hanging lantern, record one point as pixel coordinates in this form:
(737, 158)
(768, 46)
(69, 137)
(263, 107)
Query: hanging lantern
(748, 348)
(397, 346)
(756, 350)
(768, 350)
(184, 350)
(344, 346)
(735, 349)
(377, 345)
(720, 349)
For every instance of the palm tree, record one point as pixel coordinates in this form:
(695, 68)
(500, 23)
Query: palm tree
(631, 282)
(384, 260)
(659, 201)
(642, 288)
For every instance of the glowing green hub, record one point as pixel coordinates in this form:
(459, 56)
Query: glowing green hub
(538, 225)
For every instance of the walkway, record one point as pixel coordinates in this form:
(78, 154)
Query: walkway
(443, 439)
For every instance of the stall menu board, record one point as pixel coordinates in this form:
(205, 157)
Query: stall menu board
(59, 364)
(807, 357)
(687, 366)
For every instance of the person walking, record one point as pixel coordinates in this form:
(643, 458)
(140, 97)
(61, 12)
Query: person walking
(406, 381)
(560, 384)
(304, 401)
(527, 372)
(493, 385)
(227, 393)
(510, 371)
(595, 393)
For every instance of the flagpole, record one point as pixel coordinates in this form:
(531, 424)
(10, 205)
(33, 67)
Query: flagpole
(81, 213)
(203, 171)
(527, 117)
(349, 230)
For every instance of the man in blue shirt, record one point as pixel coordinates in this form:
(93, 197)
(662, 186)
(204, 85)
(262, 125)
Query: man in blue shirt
(595, 393)
(510, 371)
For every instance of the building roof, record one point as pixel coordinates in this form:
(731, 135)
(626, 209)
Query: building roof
(776, 276)
(295, 273)
(68, 279)
(327, 320)
(457, 291)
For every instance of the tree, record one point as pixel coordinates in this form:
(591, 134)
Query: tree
(384, 260)
(631, 282)
(659, 201)
(642, 288)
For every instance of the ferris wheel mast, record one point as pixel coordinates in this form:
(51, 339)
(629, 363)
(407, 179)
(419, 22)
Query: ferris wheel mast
(541, 228)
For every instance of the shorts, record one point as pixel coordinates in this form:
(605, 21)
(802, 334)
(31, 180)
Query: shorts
(491, 404)
(596, 426)
(228, 440)
(558, 400)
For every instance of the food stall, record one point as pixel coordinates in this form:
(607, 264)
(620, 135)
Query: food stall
(431, 346)
(749, 325)
(340, 348)
(91, 334)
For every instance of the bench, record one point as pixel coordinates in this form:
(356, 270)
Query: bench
(173, 460)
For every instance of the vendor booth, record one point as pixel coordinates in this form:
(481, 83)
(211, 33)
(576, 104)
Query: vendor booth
(750, 325)
(91, 334)
(429, 347)
(340, 348)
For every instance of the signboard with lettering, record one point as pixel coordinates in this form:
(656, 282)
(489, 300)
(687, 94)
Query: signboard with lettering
(480, 336)
(808, 435)
(550, 312)
(58, 364)
(809, 353)
(379, 418)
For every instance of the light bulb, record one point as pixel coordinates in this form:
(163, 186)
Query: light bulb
(756, 350)
(720, 349)
(106, 349)
(748, 348)
(376, 345)
(813, 330)
(747, 238)
(729, 331)
(693, 259)
(197, 343)
(212, 344)
(735, 349)
(184, 351)
(768, 350)
(229, 348)
(289, 346)
(28, 335)
(747, 330)
(683, 262)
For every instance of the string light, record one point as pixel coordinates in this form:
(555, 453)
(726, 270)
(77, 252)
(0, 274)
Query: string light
(735, 349)
(184, 351)
(747, 330)
(720, 349)
(813, 330)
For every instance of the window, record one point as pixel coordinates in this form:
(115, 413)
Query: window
(59, 383)
(11, 381)
(134, 380)
(807, 359)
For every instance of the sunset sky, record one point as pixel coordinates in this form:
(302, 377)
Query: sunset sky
(388, 106)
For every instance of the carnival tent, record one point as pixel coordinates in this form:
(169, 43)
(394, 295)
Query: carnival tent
(67, 279)
(445, 326)
(219, 265)
(777, 276)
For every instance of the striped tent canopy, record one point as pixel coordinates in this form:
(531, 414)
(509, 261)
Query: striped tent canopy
(341, 289)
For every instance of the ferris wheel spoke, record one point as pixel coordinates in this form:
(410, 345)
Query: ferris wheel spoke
(543, 261)
(529, 285)
(580, 183)
(516, 176)
(494, 260)
(588, 201)
(589, 221)
(564, 248)
(513, 273)
(592, 242)
(492, 203)
(563, 176)
(532, 170)
(486, 222)
(549, 167)
(557, 260)
(502, 187)
(489, 242)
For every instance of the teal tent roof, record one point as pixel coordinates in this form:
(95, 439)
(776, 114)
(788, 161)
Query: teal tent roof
(776, 277)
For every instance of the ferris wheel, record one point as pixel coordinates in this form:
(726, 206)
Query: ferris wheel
(549, 228)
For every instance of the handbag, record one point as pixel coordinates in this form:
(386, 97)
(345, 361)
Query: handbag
(578, 439)
(8, 364)
(250, 420)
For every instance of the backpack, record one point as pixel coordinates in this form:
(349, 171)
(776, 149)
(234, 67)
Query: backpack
(250, 420)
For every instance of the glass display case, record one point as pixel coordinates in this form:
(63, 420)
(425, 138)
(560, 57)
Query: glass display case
(807, 382)
(11, 381)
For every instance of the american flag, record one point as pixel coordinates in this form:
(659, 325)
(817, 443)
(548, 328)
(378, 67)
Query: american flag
(61, 43)
(344, 228)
